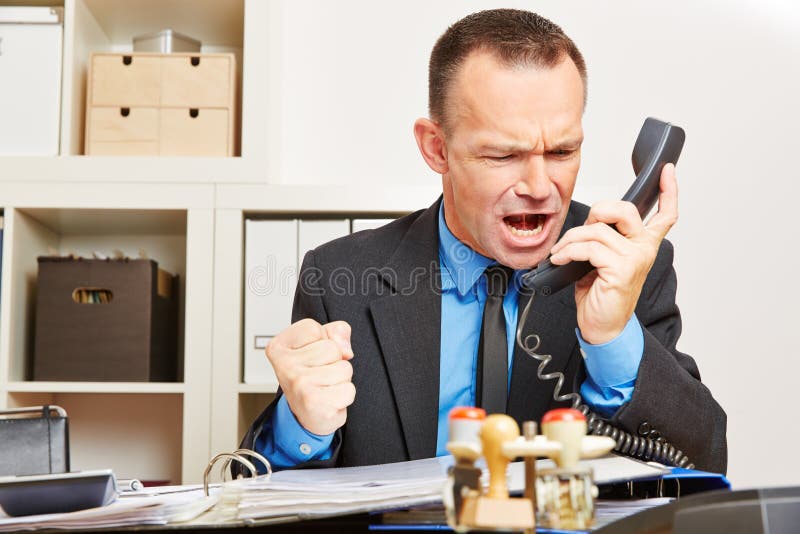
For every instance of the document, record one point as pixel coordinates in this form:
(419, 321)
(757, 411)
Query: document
(126, 511)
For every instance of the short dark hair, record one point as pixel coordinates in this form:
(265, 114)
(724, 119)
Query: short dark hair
(515, 36)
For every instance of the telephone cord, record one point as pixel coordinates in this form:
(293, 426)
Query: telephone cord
(643, 447)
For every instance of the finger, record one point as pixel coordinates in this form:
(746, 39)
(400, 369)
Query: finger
(667, 214)
(299, 334)
(620, 213)
(600, 232)
(339, 372)
(594, 252)
(316, 354)
(342, 395)
(339, 331)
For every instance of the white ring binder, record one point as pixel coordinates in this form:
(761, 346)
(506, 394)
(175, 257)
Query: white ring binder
(239, 456)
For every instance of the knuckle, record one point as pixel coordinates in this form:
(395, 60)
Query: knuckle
(309, 326)
(342, 327)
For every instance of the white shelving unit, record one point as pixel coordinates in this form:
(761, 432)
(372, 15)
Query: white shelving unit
(187, 213)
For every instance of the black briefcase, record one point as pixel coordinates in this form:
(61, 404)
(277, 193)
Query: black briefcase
(34, 441)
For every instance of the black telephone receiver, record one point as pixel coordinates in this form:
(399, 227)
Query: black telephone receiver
(658, 143)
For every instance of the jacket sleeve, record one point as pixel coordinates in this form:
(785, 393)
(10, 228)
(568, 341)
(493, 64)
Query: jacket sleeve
(669, 396)
(308, 303)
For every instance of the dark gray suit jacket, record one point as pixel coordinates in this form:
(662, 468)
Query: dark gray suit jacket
(385, 283)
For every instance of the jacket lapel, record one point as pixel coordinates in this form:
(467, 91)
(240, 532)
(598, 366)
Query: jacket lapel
(408, 324)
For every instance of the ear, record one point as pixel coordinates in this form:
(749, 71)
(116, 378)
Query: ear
(430, 140)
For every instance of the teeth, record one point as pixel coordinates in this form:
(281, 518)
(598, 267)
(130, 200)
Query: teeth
(525, 233)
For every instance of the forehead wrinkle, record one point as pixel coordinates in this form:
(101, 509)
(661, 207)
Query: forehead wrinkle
(505, 121)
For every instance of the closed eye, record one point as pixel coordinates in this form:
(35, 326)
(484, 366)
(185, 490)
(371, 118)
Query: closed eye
(501, 158)
(562, 153)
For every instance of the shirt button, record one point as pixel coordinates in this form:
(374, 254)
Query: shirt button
(305, 448)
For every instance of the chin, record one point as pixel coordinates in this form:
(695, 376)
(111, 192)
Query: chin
(520, 260)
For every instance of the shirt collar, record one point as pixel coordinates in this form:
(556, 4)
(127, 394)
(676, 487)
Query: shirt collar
(461, 266)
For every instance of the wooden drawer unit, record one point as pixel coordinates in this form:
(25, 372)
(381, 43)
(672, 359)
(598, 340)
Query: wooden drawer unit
(198, 81)
(124, 124)
(195, 132)
(125, 80)
(161, 104)
(123, 131)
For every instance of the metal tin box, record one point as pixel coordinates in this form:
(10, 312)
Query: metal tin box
(165, 42)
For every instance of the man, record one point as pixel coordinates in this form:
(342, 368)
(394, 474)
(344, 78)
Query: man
(368, 372)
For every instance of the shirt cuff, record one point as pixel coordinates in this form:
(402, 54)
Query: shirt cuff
(616, 362)
(286, 443)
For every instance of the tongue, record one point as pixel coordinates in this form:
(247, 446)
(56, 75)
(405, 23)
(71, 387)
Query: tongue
(523, 222)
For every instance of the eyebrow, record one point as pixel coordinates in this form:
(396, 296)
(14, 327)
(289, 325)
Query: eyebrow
(516, 147)
(567, 144)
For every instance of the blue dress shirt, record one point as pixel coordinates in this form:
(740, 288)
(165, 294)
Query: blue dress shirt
(611, 367)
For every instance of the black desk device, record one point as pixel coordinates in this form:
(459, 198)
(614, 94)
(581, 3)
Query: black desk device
(658, 143)
(56, 493)
(752, 511)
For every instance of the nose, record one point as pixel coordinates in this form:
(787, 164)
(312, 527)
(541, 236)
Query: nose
(534, 181)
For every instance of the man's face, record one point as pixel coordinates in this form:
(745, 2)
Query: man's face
(512, 151)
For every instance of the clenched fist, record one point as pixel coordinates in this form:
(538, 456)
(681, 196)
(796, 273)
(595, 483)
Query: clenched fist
(312, 364)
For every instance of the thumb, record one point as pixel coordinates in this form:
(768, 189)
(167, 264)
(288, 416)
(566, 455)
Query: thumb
(339, 332)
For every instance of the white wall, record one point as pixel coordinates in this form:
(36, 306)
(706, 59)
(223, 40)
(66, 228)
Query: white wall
(353, 77)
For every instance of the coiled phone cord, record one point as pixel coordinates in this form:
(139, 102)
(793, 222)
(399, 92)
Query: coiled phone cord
(642, 447)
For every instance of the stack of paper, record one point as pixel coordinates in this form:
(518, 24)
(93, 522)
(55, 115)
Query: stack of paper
(144, 509)
(304, 494)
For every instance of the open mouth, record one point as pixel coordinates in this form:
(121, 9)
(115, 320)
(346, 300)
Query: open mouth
(525, 224)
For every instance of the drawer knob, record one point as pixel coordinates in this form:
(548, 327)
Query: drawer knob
(124, 111)
(195, 61)
(194, 112)
(127, 60)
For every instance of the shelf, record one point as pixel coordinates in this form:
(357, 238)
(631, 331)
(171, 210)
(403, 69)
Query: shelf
(100, 196)
(147, 169)
(97, 387)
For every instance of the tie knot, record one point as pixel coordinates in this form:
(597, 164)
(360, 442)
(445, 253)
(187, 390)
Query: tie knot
(497, 277)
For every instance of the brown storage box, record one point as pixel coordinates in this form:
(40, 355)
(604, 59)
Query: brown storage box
(131, 337)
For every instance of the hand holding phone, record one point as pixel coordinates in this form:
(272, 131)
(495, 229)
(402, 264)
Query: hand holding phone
(623, 258)
(658, 143)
